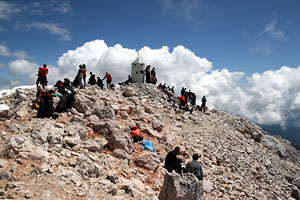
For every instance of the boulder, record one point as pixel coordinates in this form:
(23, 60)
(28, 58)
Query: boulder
(74, 129)
(274, 145)
(105, 112)
(87, 168)
(82, 104)
(156, 125)
(121, 154)
(119, 140)
(95, 145)
(181, 187)
(6, 114)
(148, 160)
(128, 92)
(39, 137)
(72, 141)
(55, 137)
(104, 128)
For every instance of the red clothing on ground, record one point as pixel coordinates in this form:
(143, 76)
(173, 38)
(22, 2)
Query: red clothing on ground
(181, 98)
(43, 72)
(135, 132)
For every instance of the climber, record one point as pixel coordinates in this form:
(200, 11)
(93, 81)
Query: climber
(203, 105)
(195, 167)
(172, 162)
(136, 134)
(42, 74)
(108, 79)
(92, 79)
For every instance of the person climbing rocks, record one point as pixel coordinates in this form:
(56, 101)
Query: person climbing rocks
(42, 74)
(172, 162)
(100, 82)
(195, 167)
(203, 105)
(108, 79)
(136, 134)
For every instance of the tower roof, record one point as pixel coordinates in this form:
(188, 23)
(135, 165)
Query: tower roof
(138, 60)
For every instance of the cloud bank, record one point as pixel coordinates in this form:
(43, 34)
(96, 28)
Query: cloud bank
(272, 97)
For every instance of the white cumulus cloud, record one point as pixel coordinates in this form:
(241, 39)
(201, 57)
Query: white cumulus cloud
(4, 51)
(22, 67)
(272, 97)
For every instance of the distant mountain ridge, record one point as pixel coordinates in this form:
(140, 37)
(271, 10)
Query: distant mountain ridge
(289, 133)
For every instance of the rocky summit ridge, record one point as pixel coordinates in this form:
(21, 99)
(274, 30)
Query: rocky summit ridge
(87, 152)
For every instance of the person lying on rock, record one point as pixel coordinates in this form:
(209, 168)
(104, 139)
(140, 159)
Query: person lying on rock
(136, 134)
(195, 167)
(172, 162)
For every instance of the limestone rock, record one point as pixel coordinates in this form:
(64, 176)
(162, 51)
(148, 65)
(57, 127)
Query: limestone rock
(157, 125)
(128, 93)
(121, 154)
(181, 187)
(119, 140)
(95, 145)
(148, 160)
(105, 112)
(76, 129)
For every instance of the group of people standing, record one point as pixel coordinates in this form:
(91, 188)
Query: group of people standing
(150, 75)
(80, 79)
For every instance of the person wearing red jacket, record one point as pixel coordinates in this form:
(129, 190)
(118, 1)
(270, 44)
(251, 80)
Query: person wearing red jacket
(108, 79)
(136, 134)
(42, 74)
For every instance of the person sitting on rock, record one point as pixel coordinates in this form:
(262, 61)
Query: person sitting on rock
(100, 82)
(46, 101)
(129, 80)
(195, 167)
(172, 162)
(136, 134)
(92, 79)
(182, 102)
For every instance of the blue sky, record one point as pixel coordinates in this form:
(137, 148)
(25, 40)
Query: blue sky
(243, 55)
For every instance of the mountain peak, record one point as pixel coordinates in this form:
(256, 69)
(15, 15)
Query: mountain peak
(87, 152)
